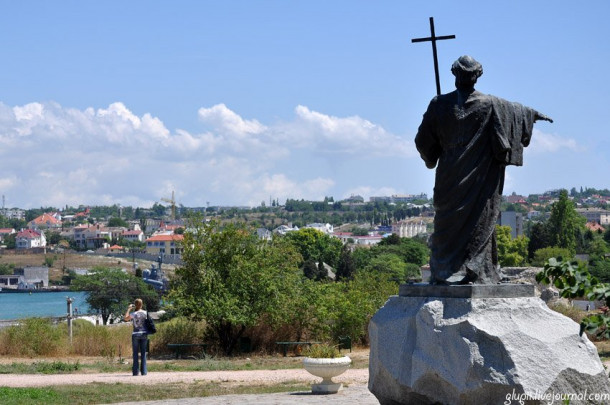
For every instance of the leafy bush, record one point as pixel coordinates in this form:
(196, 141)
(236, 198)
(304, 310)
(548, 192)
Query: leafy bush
(573, 281)
(541, 256)
(178, 330)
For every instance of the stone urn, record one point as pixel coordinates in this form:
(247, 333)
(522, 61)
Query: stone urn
(326, 368)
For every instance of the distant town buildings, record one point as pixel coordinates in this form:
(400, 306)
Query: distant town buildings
(409, 228)
(597, 215)
(400, 198)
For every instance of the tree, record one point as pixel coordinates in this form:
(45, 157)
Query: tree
(316, 245)
(117, 222)
(564, 223)
(538, 238)
(410, 250)
(233, 280)
(111, 290)
(346, 266)
(511, 252)
(390, 264)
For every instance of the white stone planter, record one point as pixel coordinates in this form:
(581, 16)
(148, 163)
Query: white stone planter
(327, 369)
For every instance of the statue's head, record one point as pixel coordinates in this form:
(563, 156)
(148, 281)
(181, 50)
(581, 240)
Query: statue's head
(466, 71)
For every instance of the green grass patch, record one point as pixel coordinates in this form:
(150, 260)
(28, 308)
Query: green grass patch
(27, 396)
(112, 393)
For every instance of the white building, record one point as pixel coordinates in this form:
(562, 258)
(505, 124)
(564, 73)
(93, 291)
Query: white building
(326, 228)
(29, 238)
(409, 228)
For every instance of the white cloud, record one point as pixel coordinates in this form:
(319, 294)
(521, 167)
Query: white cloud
(224, 120)
(545, 143)
(348, 136)
(53, 155)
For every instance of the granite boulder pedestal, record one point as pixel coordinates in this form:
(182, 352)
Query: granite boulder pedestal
(480, 344)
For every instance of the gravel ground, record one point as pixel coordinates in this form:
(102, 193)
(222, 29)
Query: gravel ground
(352, 376)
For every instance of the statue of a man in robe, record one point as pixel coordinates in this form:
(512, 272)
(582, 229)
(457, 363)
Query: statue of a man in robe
(470, 138)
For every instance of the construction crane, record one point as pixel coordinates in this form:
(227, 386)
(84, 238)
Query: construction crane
(173, 204)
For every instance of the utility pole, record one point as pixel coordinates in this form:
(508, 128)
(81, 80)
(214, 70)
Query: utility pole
(69, 302)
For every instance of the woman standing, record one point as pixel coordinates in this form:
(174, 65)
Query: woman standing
(139, 336)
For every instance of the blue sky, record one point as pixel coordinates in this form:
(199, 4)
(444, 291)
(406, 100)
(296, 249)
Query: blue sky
(236, 102)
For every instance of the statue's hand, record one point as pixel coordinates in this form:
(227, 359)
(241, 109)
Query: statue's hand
(542, 117)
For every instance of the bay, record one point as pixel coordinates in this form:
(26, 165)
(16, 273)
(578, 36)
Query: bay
(40, 304)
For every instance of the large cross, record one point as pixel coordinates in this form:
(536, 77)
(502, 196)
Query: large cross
(433, 38)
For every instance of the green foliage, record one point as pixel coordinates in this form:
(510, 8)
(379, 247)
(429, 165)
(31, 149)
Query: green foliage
(599, 267)
(573, 280)
(25, 396)
(538, 239)
(316, 245)
(389, 264)
(564, 223)
(111, 290)
(232, 279)
(408, 249)
(346, 266)
(412, 272)
(344, 309)
(541, 256)
(117, 222)
(49, 260)
(179, 330)
(511, 252)
(7, 268)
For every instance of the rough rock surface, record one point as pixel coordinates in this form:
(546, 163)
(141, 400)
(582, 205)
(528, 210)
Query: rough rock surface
(427, 350)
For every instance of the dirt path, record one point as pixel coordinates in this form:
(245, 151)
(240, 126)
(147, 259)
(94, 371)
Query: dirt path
(256, 377)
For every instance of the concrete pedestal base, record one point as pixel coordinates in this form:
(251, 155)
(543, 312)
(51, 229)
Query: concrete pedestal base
(323, 388)
(444, 350)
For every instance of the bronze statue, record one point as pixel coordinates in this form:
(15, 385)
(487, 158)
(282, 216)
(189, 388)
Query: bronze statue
(470, 138)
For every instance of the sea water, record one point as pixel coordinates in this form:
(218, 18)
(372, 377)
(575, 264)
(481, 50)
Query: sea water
(41, 304)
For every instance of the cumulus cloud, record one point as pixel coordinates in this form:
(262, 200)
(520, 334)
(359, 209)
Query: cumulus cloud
(545, 143)
(346, 136)
(54, 155)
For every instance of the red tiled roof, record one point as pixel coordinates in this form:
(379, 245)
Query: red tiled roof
(165, 238)
(46, 219)
(28, 234)
(594, 226)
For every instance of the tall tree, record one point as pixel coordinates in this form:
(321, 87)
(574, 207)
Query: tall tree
(110, 290)
(346, 267)
(564, 223)
(232, 279)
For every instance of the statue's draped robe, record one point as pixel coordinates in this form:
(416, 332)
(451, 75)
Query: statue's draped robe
(470, 137)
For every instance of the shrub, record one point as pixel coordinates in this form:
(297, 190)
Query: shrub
(177, 330)
(541, 256)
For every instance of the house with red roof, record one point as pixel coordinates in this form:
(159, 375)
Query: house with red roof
(46, 221)
(29, 239)
(133, 236)
(165, 244)
(595, 227)
(4, 232)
